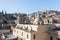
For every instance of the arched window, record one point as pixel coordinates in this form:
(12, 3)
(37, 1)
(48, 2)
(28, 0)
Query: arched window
(34, 36)
(27, 36)
(26, 28)
(22, 33)
(51, 38)
(31, 28)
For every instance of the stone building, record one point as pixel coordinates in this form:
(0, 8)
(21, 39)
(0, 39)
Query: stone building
(34, 32)
(37, 26)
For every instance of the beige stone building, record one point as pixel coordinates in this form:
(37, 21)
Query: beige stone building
(35, 32)
(40, 29)
(42, 26)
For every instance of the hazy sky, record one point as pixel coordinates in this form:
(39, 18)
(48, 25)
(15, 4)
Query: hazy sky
(29, 6)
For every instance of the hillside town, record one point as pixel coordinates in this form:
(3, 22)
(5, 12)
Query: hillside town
(41, 25)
